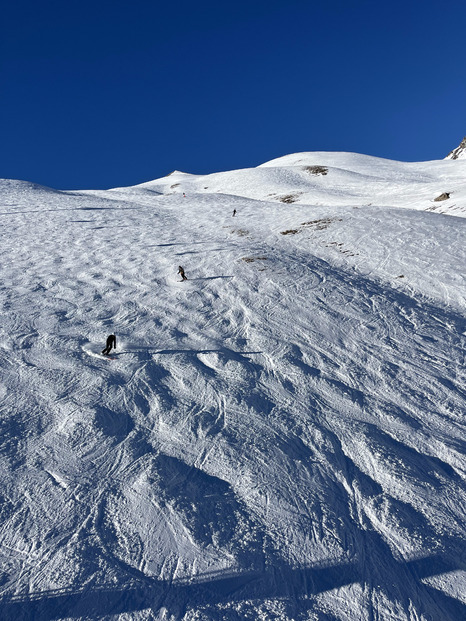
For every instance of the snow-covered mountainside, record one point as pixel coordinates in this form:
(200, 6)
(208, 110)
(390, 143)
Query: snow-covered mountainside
(336, 180)
(281, 436)
(459, 153)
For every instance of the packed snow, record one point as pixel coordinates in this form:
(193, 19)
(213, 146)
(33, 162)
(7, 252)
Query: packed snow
(281, 436)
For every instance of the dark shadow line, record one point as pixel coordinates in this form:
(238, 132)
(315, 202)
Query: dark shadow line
(93, 603)
(188, 243)
(14, 213)
(209, 278)
(225, 351)
(177, 596)
(180, 254)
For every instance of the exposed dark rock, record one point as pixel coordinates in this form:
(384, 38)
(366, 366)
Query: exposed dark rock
(459, 152)
(289, 198)
(316, 170)
(443, 197)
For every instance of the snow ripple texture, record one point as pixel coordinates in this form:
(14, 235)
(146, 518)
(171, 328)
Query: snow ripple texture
(281, 436)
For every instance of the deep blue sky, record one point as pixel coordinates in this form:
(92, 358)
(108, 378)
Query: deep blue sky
(111, 92)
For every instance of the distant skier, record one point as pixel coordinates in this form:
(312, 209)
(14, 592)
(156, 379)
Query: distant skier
(234, 213)
(111, 342)
(181, 273)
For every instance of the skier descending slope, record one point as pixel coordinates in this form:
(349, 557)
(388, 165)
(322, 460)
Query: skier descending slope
(181, 273)
(111, 342)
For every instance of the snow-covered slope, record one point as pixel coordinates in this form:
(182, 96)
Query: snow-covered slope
(335, 180)
(279, 437)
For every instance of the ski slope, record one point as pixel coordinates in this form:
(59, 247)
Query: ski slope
(279, 437)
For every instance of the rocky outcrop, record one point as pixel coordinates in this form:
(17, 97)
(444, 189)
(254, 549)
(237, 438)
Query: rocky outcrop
(443, 197)
(459, 153)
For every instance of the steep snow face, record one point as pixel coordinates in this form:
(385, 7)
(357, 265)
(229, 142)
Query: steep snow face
(281, 436)
(459, 153)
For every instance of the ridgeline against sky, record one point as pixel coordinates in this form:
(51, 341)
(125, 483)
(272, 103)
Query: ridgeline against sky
(115, 93)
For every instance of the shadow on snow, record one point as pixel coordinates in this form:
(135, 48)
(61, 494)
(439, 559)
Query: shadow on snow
(298, 586)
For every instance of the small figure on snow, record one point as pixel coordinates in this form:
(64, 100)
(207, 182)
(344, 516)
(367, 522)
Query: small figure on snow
(111, 342)
(234, 213)
(181, 273)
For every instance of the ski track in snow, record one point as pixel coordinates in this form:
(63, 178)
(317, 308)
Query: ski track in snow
(279, 437)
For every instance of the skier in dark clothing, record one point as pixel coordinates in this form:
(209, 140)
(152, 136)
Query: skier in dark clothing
(181, 273)
(111, 342)
(234, 213)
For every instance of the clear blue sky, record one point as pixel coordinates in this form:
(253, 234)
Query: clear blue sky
(111, 92)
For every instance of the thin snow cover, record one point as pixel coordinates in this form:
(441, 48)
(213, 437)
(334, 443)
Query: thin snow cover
(281, 436)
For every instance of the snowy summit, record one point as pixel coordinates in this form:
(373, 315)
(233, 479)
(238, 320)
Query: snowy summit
(275, 429)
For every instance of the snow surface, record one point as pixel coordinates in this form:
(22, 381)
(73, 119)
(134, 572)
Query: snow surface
(279, 437)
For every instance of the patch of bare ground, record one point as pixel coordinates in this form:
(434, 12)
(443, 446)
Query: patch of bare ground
(339, 246)
(320, 225)
(450, 209)
(240, 232)
(289, 198)
(316, 225)
(316, 170)
(443, 197)
(252, 259)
